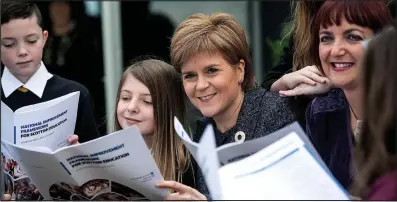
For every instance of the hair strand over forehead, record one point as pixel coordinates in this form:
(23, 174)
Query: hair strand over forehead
(370, 14)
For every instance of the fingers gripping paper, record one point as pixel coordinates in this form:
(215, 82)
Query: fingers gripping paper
(280, 166)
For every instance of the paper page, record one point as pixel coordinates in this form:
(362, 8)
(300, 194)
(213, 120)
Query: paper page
(118, 166)
(181, 131)
(189, 144)
(285, 170)
(207, 159)
(2, 181)
(42, 128)
(48, 127)
(235, 151)
(205, 155)
(15, 175)
(7, 123)
(43, 105)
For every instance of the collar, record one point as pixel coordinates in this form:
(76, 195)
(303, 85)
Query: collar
(36, 83)
(249, 108)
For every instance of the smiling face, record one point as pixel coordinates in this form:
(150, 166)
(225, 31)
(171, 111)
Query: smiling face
(22, 43)
(340, 51)
(212, 84)
(135, 106)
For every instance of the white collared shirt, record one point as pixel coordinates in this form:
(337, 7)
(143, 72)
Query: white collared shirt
(36, 83)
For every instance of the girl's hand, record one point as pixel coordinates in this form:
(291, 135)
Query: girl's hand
(6, 197)
(182, 192)
(309, 75)
(74, 139)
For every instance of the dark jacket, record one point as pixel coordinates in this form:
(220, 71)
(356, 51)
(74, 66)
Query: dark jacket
(261, 113)
(328, 128)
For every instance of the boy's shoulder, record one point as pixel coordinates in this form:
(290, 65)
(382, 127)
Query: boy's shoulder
(62, 85)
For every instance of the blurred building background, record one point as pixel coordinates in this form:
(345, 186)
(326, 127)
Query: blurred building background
(92, 41)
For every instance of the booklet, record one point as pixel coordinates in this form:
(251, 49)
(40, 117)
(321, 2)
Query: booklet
(44, 124)
(47, 124)
(283, 165)
(118, 166)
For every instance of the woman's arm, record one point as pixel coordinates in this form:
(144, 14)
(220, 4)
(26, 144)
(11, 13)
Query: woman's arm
(310, 76)
(280, 77)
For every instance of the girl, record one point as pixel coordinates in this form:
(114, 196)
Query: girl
(150, 94)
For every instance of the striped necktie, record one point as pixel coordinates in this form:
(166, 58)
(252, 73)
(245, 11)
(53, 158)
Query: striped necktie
(23, 89)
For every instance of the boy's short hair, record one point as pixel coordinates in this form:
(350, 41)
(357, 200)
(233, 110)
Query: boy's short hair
(12, 10)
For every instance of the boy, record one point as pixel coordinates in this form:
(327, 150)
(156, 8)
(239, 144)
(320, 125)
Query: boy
(25, 79)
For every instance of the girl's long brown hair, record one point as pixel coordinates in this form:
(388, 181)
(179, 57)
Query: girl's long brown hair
(165, 86)
(375, 153)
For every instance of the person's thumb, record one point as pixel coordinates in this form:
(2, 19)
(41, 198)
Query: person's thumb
(289, 93)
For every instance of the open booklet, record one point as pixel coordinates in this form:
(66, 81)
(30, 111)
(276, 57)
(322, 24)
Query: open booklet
(283, 165)
(118, 166)
(47, 124)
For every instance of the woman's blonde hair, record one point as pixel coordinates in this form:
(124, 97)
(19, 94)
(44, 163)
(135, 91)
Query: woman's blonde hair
(303, 15)
(165, 86)
(216, 33)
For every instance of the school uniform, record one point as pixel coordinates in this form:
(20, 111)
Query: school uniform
(42, 87)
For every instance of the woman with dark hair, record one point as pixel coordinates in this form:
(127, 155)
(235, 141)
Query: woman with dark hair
(297, 55)
(333, 121)
(375, 156)
(296, 74)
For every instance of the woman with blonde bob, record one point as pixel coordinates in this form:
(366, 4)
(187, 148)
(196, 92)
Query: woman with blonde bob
(212, 54)
(150, 94)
